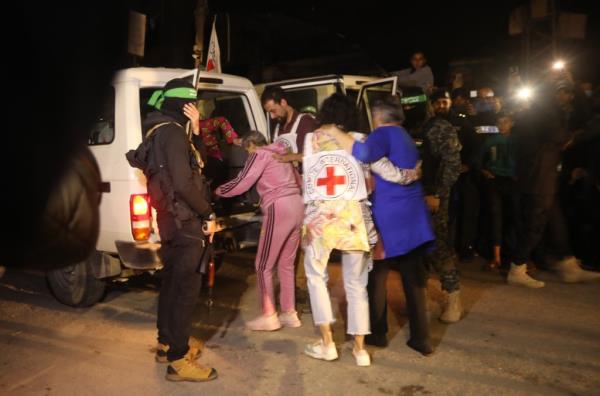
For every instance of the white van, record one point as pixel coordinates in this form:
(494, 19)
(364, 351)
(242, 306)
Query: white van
(128, 240)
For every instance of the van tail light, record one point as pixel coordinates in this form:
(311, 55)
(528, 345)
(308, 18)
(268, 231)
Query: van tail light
(141, 216)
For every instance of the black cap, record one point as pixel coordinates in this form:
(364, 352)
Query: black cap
(439, 94)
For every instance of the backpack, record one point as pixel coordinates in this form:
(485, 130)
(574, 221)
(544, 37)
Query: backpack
(151, 160)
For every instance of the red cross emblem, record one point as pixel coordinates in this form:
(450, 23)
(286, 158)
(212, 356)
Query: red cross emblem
(331, 180)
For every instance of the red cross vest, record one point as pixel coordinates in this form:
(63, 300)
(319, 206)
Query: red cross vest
(289, 139)
(331, 175)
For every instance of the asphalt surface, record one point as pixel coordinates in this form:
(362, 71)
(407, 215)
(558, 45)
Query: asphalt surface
(512, 341)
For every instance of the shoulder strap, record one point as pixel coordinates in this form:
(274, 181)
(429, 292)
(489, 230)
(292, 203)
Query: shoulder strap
(155, 127)
(296, 123)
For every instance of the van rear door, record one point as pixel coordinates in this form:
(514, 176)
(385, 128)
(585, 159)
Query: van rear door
(369, 93)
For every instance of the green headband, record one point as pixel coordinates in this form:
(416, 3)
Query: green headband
(413, 99)
(158, 97)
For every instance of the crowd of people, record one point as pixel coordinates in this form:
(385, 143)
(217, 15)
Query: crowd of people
(441, 178)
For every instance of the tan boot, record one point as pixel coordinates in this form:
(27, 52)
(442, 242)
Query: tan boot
(195, 350)
(189, 370)
(570, 271)
(453, 309)
(518, 276)
(160, 353)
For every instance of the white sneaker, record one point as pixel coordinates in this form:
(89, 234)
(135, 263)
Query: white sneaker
(362, 358)
(320, 351)
(290, 319)
(518, 276)
(264, 323)
(570, 271)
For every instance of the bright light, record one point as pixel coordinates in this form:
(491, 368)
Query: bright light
(139, 206)
(524, 93)
(558, 65)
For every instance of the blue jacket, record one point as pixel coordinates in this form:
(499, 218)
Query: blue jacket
(400, 213)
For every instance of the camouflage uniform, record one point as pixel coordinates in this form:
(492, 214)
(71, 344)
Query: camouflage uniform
(441, 168)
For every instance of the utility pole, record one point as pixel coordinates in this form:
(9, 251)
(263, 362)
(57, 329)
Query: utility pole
(200, 14)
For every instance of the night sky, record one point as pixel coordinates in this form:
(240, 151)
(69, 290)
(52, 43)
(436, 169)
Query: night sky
(268, 33)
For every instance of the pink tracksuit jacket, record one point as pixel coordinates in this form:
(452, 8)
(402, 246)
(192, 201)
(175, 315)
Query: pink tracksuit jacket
(273, 179)
(278, 185)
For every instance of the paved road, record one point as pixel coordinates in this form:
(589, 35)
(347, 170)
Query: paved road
(512, 341)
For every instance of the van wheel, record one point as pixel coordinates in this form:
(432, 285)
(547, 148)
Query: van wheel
(76, 285)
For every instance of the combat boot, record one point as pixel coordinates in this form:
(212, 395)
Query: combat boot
(185, 369)
(453, 309)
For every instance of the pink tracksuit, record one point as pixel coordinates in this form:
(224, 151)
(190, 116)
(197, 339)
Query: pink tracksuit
(278, 185)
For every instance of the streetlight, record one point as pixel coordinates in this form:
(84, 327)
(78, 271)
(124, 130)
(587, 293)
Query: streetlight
(524, 93)
(558, 65)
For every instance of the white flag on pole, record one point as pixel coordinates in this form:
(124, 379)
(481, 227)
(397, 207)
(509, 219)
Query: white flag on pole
(213, 61)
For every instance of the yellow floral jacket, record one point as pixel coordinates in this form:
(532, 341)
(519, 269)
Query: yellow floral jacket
(341, 224)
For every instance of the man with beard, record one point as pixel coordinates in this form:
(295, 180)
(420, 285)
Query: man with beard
(291, 126)
(441, 169)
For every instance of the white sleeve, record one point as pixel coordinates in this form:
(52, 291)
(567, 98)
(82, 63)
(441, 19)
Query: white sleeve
(389, 172)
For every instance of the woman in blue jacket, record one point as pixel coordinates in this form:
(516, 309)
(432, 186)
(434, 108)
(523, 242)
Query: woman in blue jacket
(402, 220)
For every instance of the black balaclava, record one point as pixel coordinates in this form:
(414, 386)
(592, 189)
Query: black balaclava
(170, 100)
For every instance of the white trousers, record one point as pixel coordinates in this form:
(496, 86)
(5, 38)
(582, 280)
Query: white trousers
(356, 275)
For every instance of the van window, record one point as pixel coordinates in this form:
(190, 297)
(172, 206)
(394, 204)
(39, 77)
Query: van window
(369, 96)
(306, 99)
(231, 105)
(103, 128)
(310, 99)
(211, 104)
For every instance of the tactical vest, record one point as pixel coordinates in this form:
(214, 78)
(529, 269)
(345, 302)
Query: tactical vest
(151, 160)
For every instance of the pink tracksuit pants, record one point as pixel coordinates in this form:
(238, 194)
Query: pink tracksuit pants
(278, 244)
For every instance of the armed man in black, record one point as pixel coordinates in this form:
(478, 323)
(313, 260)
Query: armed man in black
(184, 215)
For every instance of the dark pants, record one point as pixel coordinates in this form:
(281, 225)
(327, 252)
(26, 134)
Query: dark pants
(443, 258)
(464, 212)
(503, 197)
(541, 216)
(580, 203)
(414, 281)
(181, 283)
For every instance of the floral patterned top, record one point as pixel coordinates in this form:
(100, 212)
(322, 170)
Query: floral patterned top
(343, 225)
(208, 131)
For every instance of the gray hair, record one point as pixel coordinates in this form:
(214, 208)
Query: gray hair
(255, 138)
(388, 110)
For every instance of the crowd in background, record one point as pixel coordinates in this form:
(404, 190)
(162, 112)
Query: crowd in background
(528, 188)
